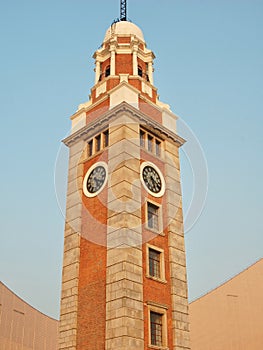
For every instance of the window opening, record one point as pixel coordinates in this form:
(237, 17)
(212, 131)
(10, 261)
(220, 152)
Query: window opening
(142, 138)
(150, 143)
(158, 148)
(98, 143)
(107, 71)
(154, 263)
(90, 148)
(156, 328)
(153, 219)
(106, 138)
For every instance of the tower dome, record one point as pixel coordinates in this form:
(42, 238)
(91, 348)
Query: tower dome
(124, 28)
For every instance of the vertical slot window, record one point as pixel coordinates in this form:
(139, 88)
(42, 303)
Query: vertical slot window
(142, 138)
(150, 143)
(98, 143)
(106, 138)
(107, 71)
(90, 148)
(158, 148)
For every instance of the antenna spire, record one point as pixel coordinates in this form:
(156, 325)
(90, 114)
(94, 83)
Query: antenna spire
(123, 16)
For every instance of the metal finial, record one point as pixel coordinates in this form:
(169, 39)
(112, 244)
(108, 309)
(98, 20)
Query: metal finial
(123, 16)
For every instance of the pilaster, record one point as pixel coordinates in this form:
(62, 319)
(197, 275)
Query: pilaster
(97, 72)
(135, 59)
(70, 276)
(124, 289)
(113, 58)
(179, 293)
(150, 72)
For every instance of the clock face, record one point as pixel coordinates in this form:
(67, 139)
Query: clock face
(152, 179)
(95, 179)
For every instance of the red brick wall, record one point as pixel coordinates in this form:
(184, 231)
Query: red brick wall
(97, 111)
(124, 40)
(92, 274)
(112, 82)
(92, 297)
(136, 83)
(151, 111)
(154, 290)
(124, 64)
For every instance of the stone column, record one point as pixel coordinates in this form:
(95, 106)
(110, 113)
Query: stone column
(124, 288)
(135, 60)
(150, 72)
(177, 257)
(112, 60)
(70, 276)
(97, 72)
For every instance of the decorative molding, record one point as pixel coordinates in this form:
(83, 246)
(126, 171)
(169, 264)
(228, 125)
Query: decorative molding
(161, 306)
(102, 122)
(101, 89)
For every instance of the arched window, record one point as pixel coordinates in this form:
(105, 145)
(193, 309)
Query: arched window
(140, 71)
(107, 72)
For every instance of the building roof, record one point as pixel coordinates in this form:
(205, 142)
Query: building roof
(124, 28)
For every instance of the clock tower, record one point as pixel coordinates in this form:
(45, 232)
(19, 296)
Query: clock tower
(124, 283)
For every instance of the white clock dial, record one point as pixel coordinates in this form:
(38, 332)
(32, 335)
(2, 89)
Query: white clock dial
(95, 179)
(152, 179)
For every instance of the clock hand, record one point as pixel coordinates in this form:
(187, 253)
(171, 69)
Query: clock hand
(98, 177)
(92, 182)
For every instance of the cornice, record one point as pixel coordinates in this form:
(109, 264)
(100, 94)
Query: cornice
(102, 122)
(116, 36)
(84, 108)
(123, 48)
(147, 56)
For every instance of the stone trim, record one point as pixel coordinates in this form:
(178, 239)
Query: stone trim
(162, 310)
(178, 278)
(153, 303)
(70, 275)
(102, 122)
(124, 272)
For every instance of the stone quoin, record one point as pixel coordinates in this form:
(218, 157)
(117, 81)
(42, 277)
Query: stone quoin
(124, 283)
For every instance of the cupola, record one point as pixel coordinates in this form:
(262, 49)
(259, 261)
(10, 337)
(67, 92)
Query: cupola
(124, 56)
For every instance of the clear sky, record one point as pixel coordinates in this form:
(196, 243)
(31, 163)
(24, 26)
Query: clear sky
(208, 67)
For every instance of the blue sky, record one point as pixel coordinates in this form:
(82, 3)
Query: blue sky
(208, 67)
